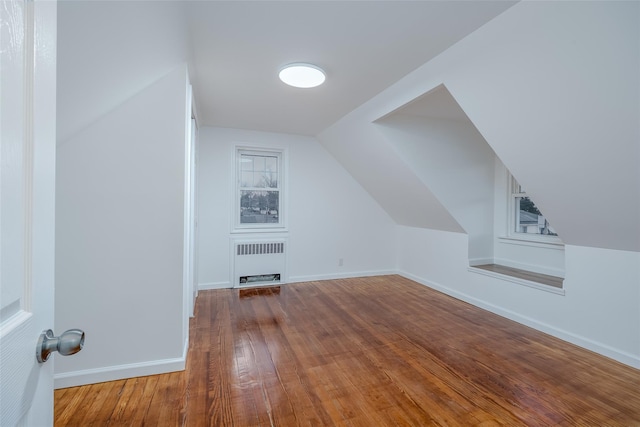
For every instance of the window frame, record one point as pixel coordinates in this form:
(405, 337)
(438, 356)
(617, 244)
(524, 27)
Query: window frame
(237, 225)
(514, 190)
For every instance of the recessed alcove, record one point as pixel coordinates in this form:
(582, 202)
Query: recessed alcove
(440, 145)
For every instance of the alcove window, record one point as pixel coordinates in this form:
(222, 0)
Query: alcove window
(526, 221)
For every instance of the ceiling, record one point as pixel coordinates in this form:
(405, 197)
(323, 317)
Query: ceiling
(437, 103)
(237, 49)
(110, 50)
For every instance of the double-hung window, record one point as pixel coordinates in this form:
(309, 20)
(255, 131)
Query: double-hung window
(259, 189)
(526, 222)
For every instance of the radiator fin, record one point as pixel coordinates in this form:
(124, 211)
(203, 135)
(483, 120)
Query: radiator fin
(260, 248)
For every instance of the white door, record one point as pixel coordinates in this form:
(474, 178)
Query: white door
(27, 190)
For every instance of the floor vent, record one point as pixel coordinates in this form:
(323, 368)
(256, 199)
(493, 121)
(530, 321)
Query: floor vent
(261, 278)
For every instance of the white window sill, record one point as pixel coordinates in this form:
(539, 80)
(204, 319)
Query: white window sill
(533, 240)
(259, 230)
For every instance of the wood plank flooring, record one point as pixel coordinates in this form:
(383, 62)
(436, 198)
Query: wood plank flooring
(378, 351)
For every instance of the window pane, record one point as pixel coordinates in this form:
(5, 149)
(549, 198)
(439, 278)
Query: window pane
(247, 179)
(259, 206)
(259, 171)
(271, 164)
(259, 163)
(270, 172)
(258, 180)
(530, 220)
(246, 162)
(271, 179)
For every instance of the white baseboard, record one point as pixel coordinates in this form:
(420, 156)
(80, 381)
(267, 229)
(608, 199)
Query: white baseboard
(603, 349)
(308, 278)
(113, 373)
(214, 285)
(333, 276)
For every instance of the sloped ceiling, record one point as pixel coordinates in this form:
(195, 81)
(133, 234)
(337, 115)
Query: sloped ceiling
(551, 86)
(110, 49)
(439, 144)
(364, 47)
(553, 89)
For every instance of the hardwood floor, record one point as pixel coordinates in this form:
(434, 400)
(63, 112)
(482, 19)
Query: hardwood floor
(379, 351)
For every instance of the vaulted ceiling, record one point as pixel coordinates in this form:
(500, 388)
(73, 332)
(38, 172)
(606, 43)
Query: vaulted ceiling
(539, 67)
(364, 47)
(110, 49)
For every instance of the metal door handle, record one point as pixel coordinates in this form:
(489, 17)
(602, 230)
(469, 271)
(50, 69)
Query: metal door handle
(70, 342)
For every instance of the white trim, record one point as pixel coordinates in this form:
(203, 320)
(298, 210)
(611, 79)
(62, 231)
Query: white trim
(333, 276)
(481, 261)
(14, 321)
(519, 281)
(119, 372)
(283, 176)
(309, 278)
(188, 249)
(214, 285)
(531, 240)
(524, 239)
(243, 231)
(602, 349)
(534, 268)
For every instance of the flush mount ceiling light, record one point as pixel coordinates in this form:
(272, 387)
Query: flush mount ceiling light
(302, 75)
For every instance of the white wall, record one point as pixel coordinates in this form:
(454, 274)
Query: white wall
(119, 237)
(540, 258)
(329, 215)
(564, 123)
(599, 310)
(553, 89)
(364, 150)
(561, 78)
(453, 160)
(108, 50)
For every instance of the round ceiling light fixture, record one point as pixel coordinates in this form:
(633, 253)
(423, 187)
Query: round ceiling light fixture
(302, 75)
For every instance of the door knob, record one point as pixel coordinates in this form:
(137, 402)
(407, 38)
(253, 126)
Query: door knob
(70, 342)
